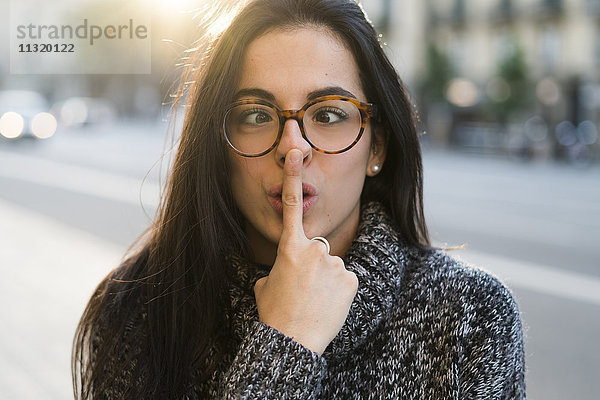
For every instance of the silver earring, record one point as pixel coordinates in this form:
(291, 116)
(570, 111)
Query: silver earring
(376, 167)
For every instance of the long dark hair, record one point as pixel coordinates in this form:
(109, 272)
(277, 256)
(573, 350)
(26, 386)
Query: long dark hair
(179, 276)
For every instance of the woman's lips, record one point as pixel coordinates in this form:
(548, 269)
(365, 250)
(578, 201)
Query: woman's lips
(307, 190)
(277, 204)
(309, 195)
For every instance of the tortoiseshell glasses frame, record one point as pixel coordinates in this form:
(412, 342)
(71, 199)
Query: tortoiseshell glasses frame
(367, 111)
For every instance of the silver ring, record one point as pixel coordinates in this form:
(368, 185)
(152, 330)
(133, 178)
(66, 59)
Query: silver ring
(324, 241)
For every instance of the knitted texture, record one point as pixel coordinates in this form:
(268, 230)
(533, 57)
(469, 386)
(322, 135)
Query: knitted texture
(422, 326)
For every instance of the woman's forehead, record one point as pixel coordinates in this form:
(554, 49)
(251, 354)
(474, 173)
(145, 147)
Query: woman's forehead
(292, 63)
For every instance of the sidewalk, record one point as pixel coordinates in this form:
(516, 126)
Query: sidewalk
(48, 270)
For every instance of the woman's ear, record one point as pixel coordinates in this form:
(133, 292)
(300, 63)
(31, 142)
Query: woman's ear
(378, 152)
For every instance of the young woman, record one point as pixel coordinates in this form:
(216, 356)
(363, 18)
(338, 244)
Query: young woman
(290, 258)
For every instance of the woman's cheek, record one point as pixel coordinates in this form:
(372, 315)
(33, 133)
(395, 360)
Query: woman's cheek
(245, 178)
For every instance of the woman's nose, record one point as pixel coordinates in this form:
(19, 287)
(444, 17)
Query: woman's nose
(291, 138)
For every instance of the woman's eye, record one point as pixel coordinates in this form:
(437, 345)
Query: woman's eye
(329, 115)
(255, 118)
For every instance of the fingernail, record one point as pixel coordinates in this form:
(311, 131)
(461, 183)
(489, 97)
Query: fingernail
(295, 155)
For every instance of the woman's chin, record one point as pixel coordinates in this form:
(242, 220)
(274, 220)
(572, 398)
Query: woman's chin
(273, 228)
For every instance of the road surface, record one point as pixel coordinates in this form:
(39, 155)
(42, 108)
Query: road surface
(70, 206)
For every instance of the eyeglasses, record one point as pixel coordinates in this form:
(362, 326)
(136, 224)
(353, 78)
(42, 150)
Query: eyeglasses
(330, 124)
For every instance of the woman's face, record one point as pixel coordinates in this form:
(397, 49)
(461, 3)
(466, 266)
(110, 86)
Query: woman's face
(287, 68)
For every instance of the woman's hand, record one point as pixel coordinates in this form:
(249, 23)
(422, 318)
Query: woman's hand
(308, 293)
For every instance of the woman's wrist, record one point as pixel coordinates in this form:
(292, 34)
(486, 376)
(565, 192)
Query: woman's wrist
(303, 336)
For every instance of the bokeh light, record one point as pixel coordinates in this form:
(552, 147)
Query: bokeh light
(11, 125)
(43, 125)
(566, 133)
(548, 92)
(536, 129)
(462, 92)
(587, 132)
(73, 112)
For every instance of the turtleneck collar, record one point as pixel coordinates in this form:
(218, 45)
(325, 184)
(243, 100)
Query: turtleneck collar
(376, 256)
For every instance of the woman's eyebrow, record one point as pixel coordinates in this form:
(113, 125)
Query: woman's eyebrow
(263, 94)
(255, 92)
(331, 90)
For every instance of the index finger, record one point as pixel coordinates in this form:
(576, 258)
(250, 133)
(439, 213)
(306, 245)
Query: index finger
(291, 195)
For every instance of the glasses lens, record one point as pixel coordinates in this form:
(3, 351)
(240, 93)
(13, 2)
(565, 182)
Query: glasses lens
(332, 125)
(251, 128)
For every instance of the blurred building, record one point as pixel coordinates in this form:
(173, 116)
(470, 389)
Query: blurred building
(490, 75)
(402, 26)
(505, 74)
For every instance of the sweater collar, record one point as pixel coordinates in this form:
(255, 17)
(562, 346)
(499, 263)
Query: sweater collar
(378, 259)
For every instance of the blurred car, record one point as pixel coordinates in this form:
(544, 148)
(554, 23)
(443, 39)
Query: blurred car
(25, 113)
(82, 111)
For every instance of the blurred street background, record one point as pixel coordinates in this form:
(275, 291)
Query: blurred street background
(508, 98)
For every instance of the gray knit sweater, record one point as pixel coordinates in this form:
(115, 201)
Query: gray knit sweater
(422, 326)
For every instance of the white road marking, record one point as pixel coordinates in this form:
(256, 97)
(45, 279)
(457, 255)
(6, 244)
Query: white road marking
(546, 280)
(80, 179)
